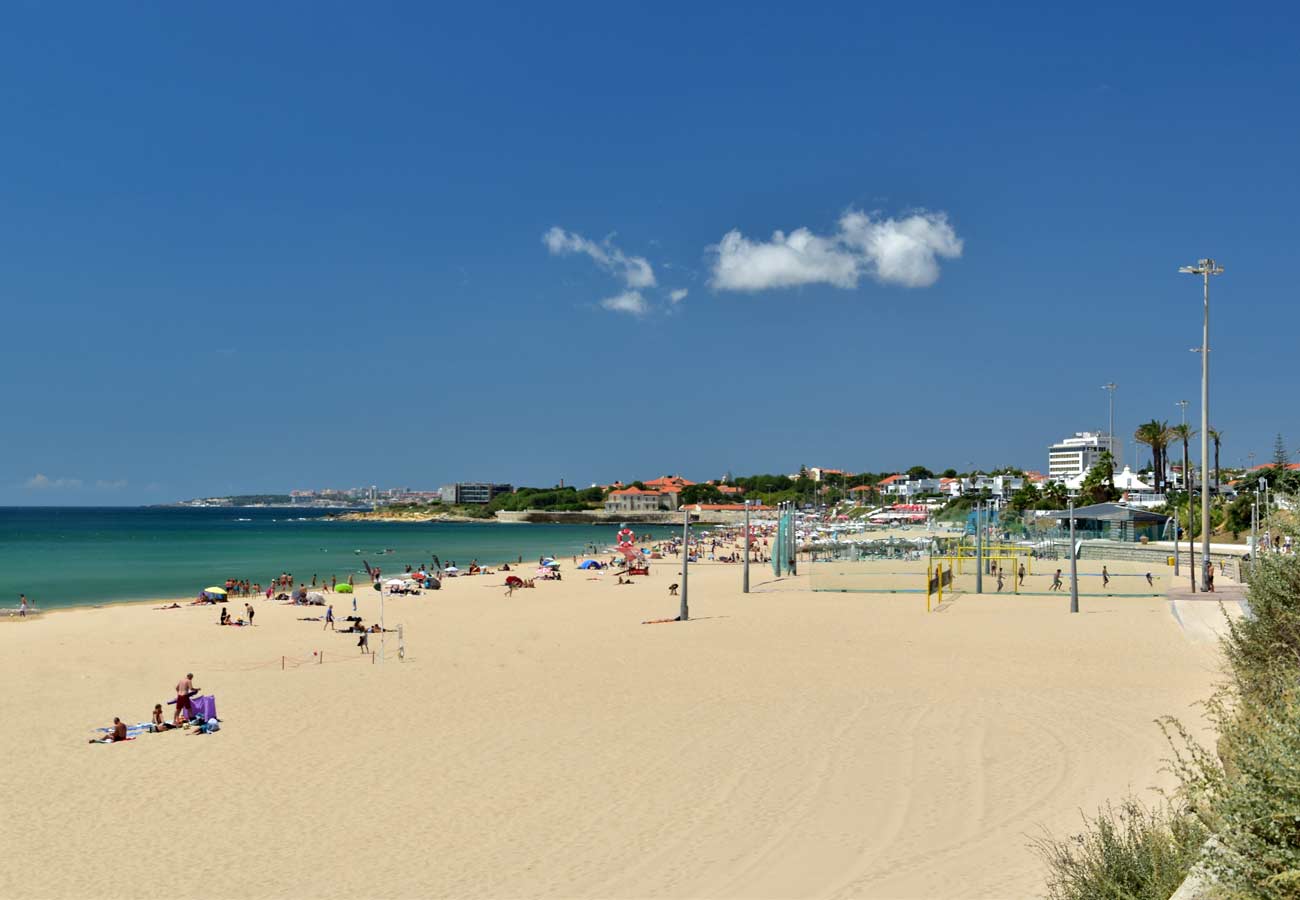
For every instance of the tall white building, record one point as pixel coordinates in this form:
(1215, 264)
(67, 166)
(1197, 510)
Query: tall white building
(1076, 455)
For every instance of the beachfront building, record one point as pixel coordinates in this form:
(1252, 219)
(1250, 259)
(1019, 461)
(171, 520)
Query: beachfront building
(1076, 455)
(906, 486)
(1113, 521)
(673, 483)
(636, 500)
(467, 492)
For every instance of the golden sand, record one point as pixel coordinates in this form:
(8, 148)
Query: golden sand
(781, 744)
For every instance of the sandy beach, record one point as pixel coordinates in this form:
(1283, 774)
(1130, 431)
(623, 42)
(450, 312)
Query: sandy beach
(781, 744)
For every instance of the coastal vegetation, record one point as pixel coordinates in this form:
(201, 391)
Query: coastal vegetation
(1244, 793)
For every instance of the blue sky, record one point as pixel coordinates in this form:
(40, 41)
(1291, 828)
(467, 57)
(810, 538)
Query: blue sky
(295, 245)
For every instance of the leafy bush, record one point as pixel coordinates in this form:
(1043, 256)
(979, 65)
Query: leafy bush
(1248, 790)
(1245, 792)
(1130, 852)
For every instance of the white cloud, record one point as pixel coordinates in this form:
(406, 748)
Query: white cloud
(39, 482)
(635, 271)
(678, 295)
(115, 485)
(627, 302)
(893, 251)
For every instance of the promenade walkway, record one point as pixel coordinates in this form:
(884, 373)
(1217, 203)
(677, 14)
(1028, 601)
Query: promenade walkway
(1201, 615)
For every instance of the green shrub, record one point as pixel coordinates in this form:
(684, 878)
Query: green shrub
(1133, 852)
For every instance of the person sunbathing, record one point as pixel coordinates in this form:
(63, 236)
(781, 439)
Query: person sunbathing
(117, 734)
(173, 606)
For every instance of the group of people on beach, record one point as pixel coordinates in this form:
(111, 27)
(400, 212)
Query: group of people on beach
(184, 717)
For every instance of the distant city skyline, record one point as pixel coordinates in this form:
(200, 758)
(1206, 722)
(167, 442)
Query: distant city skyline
(426, 244)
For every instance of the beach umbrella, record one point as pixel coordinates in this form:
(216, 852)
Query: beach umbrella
(452, 569)
(551, 562)
(215, 591)
(344, 588)
(316, 597)
(394, 582)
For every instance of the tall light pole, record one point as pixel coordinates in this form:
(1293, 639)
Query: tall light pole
(1205, 268)
(1109, 387)
(685, 612)
(1074, 566)
(744, 588)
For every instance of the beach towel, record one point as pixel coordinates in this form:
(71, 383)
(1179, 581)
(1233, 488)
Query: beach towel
(107, 741)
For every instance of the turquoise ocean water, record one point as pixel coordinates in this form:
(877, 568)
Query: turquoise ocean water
(65, 556)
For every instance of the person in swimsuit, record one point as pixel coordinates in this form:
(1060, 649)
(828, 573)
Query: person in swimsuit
(1105, 577)
(184, 688)
(1056, 581)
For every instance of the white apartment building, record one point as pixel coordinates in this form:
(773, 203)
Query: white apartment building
(1076, 455)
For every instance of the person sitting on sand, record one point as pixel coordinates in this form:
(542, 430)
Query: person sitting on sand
(225, 617)
(117, 734)
(159, 723)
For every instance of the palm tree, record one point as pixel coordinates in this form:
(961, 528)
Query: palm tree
(1155, 434)
(1217, 437)
(1185, 433)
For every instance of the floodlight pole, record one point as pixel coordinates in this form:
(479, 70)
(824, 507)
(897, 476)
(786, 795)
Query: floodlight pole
(1074, 566)
(1110, 388)
(685, 612)
(1205, 268)
(979, 547)
(744, 586)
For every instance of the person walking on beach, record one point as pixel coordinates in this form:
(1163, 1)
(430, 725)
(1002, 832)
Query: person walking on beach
(1150, 582)
(22, 604)
(999, 579)
(1105, 578)
(329, 619)
(1020, 576)
(248, 607)
(1056, 581)
(354, 604)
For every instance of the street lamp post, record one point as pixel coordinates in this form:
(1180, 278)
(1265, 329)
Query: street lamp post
(1110, 388)
(1205, 268)
(1074, 566)
(685, 612)
(745, 582)
(979, 547)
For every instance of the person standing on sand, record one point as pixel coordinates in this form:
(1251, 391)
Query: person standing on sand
(249, 608)
(334, 582)
(184, 688)
(1056, 581)
(1105, 578)
(22, 604)
(1021, 575)
(329, 619)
